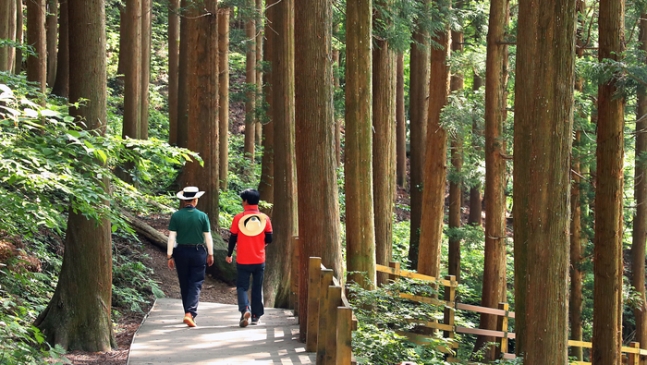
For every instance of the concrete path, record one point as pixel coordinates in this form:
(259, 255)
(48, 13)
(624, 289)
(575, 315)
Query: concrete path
(164, 339)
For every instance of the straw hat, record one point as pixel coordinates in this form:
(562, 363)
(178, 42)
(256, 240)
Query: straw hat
(189, 193)
(252, 224)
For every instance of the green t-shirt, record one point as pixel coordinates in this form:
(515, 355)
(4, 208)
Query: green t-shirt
(190, 225)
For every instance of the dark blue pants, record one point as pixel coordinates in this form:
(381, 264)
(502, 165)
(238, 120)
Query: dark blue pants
(190, 263)
(242, 285)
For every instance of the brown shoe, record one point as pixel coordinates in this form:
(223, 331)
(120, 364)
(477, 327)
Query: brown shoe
(188, 319)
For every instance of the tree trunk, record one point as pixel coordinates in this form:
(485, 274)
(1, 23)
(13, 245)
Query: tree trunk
(542, 146)
(384, 93)
(418, 110)
(266, 185)
(401, 126)
(52, 37)
(145, 66)
(123, 31)
(494, 275)
(36, 37)
(223, 83)
(475, 217)
(132, 47)
(640, 196)
(456, 183)
(280, 54)
(316, 157)
(258, 129)
(62, 84)
(338, 121)
(182, 86)
(576, 299)
(173, 67)
(250, 80)
(607, 252)
(78, 316)
(358, 170)
(17, 67)
(7, 31)
(435, 171)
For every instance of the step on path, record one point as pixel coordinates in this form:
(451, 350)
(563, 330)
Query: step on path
(218, 339)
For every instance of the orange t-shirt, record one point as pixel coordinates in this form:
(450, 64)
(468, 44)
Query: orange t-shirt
(250, 249)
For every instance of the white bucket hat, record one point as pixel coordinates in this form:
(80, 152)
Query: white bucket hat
(189, 193)
(252, 224)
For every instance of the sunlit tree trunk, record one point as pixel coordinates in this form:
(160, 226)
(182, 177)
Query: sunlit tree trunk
(418, 110)
(173, 68)
(360, 226)
(7, 31)
(182, 86)
(145, 66)
(280, 54)
(384, 83)
(400, 122)
(36, 37)
(250, 80)
(316, 160)
(62, 84)
(133, 69)
(435, 167)
(223, 114)
(476, 204)
(78, 316)
(640, 196)
(545, 74)
(202, 88)
(607, 253)
(52, 36)
(494, 275)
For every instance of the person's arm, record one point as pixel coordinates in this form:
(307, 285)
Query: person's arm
(170, 244)
(268, 238)
(209, 241)
(233, 239)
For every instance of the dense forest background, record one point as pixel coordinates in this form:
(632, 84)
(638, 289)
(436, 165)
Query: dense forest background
(500, 142)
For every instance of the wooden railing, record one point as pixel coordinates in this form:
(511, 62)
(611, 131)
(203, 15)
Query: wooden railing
(632, 354)
(330, 317)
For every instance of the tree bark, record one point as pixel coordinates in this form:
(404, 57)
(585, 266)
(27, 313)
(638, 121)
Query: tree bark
(266, 185)
(316, 157)
(640, 196)
(542, 145)
(358, 170)
(401, 126)
(384, 93)
(607, 252)
(52, 37)
(36, 37)
(182, 88)
(418, 110)
(435, 171)
(132, 47)
(280, 54)
(7, 31)
(258, 129)
(456, 183)
(250, 80)
(494, 273)
(173, 68)
(123, 31)
(78, 316)
(145, 66)
(17, 67)
(476, 204)
(62, 84)
(223, 114)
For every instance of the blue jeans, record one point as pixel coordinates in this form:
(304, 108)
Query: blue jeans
(242, 285)
(190, 263)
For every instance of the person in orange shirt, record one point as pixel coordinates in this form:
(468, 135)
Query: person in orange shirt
(251, 232)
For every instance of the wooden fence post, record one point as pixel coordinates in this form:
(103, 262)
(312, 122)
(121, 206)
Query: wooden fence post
(634, 359)
(503, 326)
(449, 313)
(327, 342)
(296, 273)
(314, 297)
(325, 322)
(396, 266)
(344, 335)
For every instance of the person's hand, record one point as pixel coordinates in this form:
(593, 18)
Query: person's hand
(209, 260)
(170, 263)
(228, 259)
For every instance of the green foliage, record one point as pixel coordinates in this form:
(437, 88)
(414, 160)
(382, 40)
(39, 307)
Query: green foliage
(381, 315)
(132, 286)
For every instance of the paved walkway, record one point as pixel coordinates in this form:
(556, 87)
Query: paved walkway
(164, 339)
